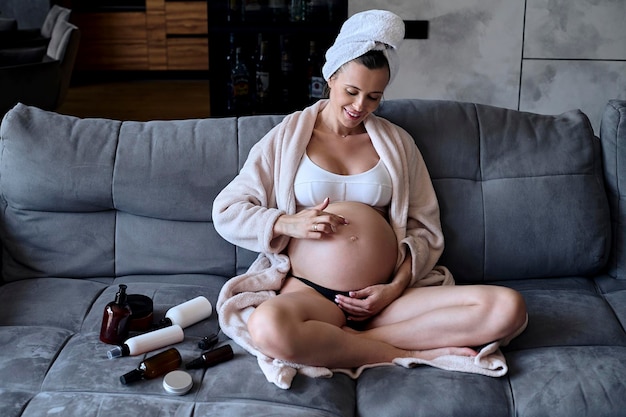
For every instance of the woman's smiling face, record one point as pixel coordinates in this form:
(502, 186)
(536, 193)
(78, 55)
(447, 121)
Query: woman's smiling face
(355, 92)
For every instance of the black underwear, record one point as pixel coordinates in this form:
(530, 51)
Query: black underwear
(326, 292)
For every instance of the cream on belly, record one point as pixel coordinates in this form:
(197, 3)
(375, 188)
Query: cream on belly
(359, 254)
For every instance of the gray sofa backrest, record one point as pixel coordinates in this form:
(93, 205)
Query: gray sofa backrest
(521, 195)
(100, 198)
(613, 134)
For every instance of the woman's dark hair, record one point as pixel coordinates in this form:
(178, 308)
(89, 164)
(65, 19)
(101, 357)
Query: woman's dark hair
(374, 59)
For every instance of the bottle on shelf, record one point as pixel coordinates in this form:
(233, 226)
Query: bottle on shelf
(315, 80)
(154, 366)
(278, 10)
(297, 10)
(232, 11)
(250, 10)
(287, 74)
(230, 63)
(240, 81)
(116, 319)
(263, 79)
(317, 10)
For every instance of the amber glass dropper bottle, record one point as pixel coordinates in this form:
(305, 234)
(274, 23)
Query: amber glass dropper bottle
(154, 366)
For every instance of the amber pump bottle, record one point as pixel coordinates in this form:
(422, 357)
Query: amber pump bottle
(154, 366)
(116, 319)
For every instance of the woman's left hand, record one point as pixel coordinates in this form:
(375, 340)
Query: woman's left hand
(366, 303)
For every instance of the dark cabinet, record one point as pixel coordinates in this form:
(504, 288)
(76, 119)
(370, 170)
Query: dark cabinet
(265, 56)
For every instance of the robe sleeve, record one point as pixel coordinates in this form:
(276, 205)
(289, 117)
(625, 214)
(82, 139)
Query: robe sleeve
(245, 211)
(423, 236)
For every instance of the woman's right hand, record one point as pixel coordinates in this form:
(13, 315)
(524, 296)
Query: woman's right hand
(311, 223)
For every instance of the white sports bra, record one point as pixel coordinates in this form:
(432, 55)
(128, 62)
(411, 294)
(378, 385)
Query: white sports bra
(313, 184)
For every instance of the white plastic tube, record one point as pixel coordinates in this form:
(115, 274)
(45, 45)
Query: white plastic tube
(188, 313)
(148, 342)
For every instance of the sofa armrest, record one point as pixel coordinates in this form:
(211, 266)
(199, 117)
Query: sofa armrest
(613, 139)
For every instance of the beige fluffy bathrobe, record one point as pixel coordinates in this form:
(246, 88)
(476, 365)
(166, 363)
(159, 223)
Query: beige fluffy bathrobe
(244, 213)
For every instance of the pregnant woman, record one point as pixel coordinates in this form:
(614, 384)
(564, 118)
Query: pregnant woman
(340, 206)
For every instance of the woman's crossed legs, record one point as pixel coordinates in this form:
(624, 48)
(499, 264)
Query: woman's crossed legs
(301, 326)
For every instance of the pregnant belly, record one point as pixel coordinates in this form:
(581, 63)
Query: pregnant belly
(357, 255)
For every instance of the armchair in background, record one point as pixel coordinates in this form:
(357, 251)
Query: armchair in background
(7, 25)
(13, 37)
(40, 82)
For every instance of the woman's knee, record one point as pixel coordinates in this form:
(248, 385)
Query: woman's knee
(509, 311)
(269, 330)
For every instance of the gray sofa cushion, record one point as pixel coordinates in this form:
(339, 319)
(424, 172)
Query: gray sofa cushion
(613, 125)
(131, 197)
(60, 174)
(509, 185)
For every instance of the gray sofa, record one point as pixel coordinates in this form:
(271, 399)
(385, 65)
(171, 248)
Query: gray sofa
(529, 201)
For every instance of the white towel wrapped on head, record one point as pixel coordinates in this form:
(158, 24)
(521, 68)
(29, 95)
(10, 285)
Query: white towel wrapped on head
(363, 32)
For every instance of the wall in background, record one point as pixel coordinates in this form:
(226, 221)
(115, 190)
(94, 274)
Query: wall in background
(543, 56)
(29, 14)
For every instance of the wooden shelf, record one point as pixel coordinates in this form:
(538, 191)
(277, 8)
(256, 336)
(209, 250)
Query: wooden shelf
(112, 41)
(167, 35)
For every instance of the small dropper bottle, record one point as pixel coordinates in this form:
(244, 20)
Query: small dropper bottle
(154, 366)
(212, 358)
(116, 319)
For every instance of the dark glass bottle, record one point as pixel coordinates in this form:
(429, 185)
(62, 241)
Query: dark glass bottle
(315, 81)
(287, 75)
(232, 11)
(317, 11)
(240, 78)
(263, 79)
(278, 10)
(230, 63)
(296, 10)
(250, 10)
(116, 319)
(212, 357)
(154, 366)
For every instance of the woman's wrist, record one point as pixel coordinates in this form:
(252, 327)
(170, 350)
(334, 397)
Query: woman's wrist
(403, 276)
(277, 229)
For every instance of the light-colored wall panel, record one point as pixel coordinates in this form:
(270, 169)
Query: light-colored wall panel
(552, 87)
(472, 54)
(574, 53)
(575, 29)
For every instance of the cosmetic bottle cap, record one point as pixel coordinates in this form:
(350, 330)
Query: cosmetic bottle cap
(177, 383)
(208, 342)
(120, 297)
(132, 376)
(195, 364)
(118, 351)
